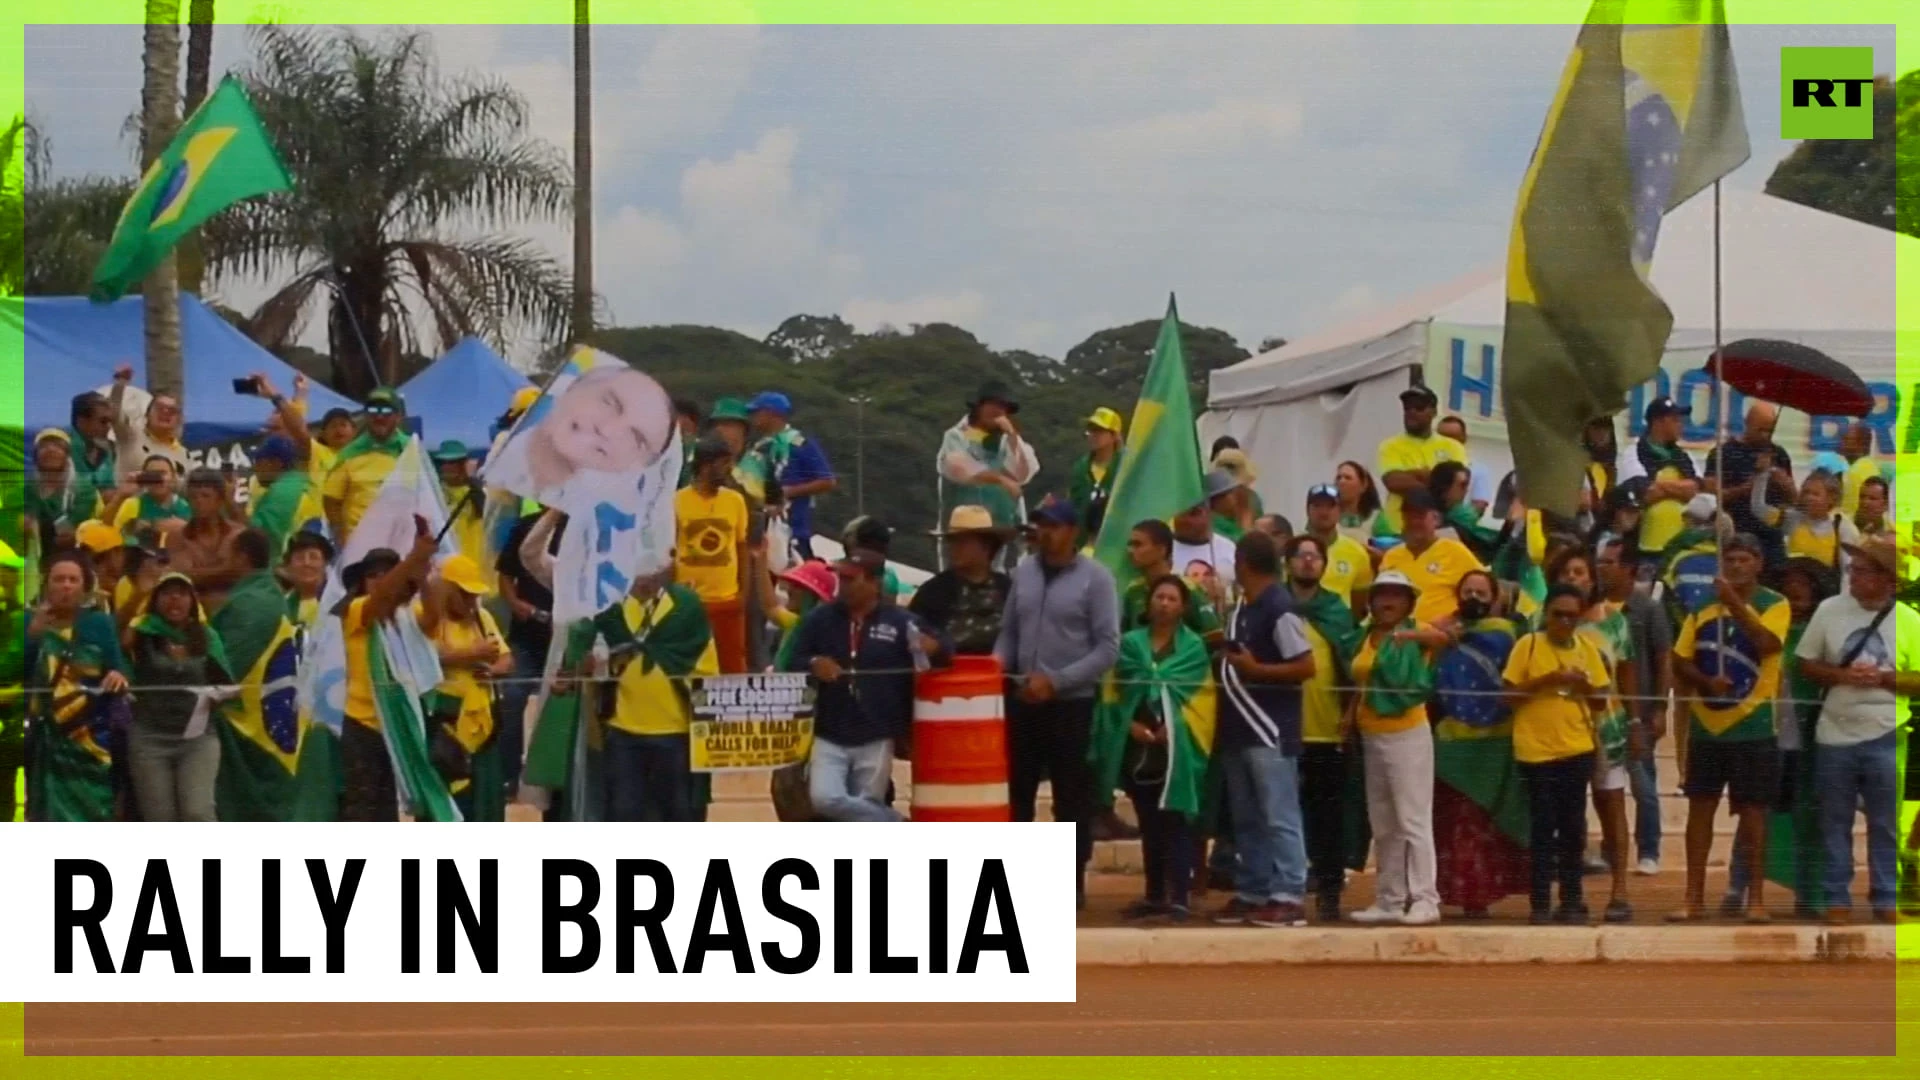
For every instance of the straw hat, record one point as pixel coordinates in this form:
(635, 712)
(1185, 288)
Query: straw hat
(972, 521)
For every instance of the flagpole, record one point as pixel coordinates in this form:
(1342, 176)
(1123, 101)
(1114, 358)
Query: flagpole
(1720, 411)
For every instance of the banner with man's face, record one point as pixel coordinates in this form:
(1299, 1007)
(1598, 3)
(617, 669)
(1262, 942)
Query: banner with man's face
(602, 447)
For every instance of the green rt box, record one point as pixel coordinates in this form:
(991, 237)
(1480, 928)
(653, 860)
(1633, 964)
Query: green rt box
(1826, 93)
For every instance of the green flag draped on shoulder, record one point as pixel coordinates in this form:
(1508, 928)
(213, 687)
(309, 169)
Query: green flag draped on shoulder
(1160, 472)
(1179, 689)
(221, 156)
(1647, 116)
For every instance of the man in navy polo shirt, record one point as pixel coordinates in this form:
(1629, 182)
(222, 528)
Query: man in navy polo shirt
(1258, 742)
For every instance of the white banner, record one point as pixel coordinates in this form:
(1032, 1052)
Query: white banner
(602, 446)
(708, 912)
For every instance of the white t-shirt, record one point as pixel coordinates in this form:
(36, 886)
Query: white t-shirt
(1852, 714)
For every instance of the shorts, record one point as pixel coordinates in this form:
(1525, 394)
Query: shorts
(1748, 770)
(1610, 778)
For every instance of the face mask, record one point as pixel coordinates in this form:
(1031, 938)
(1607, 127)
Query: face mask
(1475, 609)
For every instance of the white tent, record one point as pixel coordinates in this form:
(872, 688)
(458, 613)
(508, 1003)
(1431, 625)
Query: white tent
(1787, 272)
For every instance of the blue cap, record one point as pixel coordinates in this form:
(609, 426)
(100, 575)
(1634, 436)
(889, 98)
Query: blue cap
(772, 401)
(1054, 510)
(275, 448)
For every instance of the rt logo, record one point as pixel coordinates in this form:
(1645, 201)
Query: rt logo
(1826, 93)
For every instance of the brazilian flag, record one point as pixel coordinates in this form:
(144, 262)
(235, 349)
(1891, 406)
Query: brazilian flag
(1160, 473)
(1647, 116)
(221, 156)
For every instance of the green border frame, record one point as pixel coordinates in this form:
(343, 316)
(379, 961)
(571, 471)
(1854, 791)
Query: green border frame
(934, 12)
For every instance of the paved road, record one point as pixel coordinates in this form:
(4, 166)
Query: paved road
(1576, 1009)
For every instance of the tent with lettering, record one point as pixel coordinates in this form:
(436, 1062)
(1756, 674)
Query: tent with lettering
(72, 345)
(460, 395)
(1787, 271)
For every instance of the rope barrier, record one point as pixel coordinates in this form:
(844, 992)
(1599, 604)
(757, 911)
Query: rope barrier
(608, 677)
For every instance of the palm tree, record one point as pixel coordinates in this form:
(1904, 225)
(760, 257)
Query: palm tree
(193, 254)
(389, 162)
(582, 315)
(160, 118)
(15, 165)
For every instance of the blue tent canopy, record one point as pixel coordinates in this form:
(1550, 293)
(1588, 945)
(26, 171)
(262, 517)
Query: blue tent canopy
(460, 395)
(72, 346)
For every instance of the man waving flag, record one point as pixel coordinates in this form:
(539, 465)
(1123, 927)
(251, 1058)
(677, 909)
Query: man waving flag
(221, 156)
(1647, 116)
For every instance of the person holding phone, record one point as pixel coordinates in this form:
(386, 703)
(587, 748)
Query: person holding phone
(153, 498)
(1557, 683)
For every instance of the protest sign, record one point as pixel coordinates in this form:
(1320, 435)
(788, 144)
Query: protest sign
(748, 722)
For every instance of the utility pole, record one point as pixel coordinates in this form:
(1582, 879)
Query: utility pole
(860, 403)
(581, 318)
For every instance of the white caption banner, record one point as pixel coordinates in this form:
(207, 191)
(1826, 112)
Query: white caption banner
(796, 902)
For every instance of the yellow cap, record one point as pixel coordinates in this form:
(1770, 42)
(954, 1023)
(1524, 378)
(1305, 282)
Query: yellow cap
(1106, 420)
(523, 399)
(464, 574)
(98, 537)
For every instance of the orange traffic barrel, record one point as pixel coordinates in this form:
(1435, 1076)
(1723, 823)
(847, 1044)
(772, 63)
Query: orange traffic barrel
(960, 743)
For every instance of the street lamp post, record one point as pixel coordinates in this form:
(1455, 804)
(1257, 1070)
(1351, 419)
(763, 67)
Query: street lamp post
(860, 403)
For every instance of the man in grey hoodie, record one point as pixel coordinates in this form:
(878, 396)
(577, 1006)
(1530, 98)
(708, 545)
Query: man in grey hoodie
(1059, 637)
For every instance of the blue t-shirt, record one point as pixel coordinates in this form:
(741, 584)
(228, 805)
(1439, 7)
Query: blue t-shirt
(806, 464)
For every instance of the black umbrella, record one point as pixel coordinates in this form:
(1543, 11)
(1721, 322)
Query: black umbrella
(1794, 375)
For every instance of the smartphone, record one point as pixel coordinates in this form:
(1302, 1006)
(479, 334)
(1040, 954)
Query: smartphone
(147, 477)
(249, 386)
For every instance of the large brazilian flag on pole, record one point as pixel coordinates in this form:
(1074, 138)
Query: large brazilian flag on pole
(1647, 116)
(1160, 474)
(221, 156)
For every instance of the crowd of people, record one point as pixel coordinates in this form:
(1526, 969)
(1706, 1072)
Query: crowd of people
(1425, 672)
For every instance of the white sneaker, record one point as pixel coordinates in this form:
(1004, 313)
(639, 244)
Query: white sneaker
(1647, 867)
(1374, 915)
(1421, 913)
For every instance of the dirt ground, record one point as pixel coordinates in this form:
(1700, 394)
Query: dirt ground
(1814, 1009)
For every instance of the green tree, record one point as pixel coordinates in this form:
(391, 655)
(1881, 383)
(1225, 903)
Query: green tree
(1117, 357)
(804, 339)
(14, 170)
(389, 159)
(1857, 178)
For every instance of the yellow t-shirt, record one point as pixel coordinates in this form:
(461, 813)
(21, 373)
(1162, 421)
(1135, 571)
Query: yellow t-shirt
(709, 532)
(1320, 695)
(356, 483)
(646, 701)
(1663, 520)
(476, 701)
(359, 676)
(1548, 727)
(469, 529)
(1406, 453)
(1858, 474)
(1436, 572)
(1349, 568)
(1372, 723)
(320, 459)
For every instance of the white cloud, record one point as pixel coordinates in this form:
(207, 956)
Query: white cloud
(962, 308)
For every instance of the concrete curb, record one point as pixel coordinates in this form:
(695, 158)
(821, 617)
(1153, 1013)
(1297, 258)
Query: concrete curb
(1187, 946)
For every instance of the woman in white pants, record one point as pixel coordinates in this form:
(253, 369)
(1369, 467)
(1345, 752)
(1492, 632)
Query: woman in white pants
(1394, 673)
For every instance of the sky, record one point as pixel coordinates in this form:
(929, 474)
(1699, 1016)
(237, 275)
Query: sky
(1032, 184)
